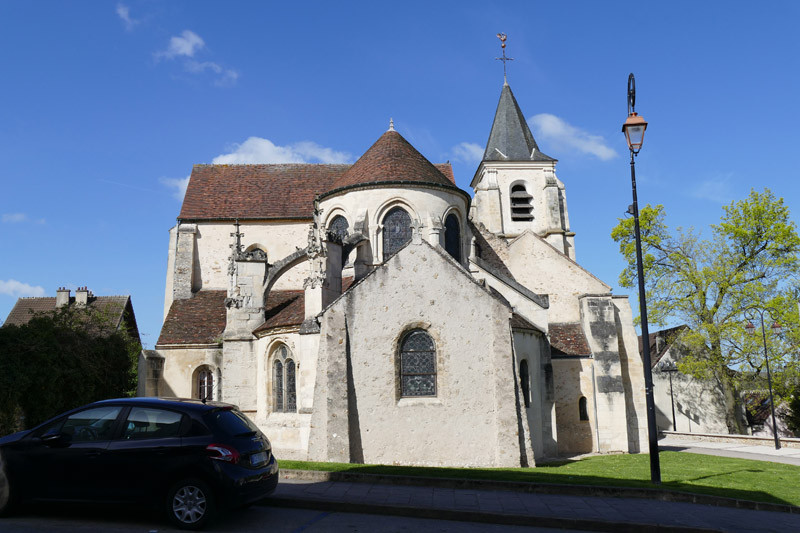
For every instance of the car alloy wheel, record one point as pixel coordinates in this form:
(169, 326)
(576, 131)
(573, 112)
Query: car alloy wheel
(189, 504)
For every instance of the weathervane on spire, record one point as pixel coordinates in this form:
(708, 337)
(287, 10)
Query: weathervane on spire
(503, 37)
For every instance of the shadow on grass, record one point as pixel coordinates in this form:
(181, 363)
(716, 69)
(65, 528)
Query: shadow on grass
(537, 476)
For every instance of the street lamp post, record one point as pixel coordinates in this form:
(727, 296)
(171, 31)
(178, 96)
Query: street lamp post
(670, 368)
(750, 313)
(634, 133)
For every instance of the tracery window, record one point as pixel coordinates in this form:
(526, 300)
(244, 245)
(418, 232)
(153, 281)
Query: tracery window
(396, 230)
(339, 226)
(524, 377)
(452, 236)
(284, 390)
(204, 383)
(583, 412)
(417, 364)
(521, 208)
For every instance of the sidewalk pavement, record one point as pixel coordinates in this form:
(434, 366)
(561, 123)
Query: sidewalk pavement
(731, 449)
(577, 512)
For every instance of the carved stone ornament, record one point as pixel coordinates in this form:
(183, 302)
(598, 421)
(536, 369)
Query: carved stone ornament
(235, 302)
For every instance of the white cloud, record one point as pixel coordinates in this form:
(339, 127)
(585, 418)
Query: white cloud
(186, 44)
(17, 289)
(124, 13)
(16, 218)
(258, 150)
(12, 218)
(179, 184)
(227, 77)
(716, 189)
(468, 152)
(560, 133)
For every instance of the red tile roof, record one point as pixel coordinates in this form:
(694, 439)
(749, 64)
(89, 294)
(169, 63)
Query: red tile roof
(256, 191)
(568, 339)
(116, 308)
(196, 320)
(392, 159)
(283, 309)
(283, 191)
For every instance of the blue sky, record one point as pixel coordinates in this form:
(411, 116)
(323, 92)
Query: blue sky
(105, 107)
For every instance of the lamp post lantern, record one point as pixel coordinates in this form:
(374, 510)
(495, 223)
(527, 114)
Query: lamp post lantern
(669, 367)
(751, 313)
(634, 128)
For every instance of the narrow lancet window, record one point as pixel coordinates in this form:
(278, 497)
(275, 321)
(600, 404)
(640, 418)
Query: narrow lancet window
(524, 378)
(452, 236)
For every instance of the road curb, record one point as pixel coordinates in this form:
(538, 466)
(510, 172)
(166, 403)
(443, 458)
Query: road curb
(480, 517)
(541, 488)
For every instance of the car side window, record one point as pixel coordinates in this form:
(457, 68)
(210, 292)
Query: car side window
(148, 423)
(91, 424)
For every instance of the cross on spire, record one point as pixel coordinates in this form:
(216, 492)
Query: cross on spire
(503, 37)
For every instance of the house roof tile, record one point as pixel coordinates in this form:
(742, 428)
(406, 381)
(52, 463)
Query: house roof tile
(568, 339)
(196, 320)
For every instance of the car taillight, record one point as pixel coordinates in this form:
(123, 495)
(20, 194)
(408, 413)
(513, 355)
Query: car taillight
(222, 452)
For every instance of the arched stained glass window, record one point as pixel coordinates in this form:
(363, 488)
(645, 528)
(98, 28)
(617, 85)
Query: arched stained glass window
(205, 383)
(417, 365)
(339, 226)
(284, 382)
(277, 385)
(525, 379)
(452, 236)
(291, 394)
(396, 230)
(521, 208)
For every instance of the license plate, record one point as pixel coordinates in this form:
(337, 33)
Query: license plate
(258, 458)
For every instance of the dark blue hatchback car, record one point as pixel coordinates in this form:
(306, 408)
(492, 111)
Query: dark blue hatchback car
(186, 456)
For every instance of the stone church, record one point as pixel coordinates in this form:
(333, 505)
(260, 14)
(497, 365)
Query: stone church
(378, 313)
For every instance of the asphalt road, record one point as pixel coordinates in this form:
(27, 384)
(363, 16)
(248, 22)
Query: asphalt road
(81, 519)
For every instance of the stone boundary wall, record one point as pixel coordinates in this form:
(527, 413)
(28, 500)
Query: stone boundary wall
(734, 439)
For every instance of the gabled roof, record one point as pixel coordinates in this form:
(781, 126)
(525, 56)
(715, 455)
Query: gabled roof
(392, 160)
(511, 138)
(116, 308)
(668, 337)
(568, 339)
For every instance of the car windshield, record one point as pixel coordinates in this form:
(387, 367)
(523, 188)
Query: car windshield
(230, 422)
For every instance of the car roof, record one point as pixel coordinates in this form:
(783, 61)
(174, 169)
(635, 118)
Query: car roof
(190, 404)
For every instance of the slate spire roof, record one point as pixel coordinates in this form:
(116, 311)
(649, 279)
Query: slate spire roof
(511, 138)
(392, 159)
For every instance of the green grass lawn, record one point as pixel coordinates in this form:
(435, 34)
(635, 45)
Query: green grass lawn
(687, 472)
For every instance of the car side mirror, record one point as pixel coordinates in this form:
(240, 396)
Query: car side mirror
(56, 439)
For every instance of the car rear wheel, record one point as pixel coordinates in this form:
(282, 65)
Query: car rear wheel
(190, 504)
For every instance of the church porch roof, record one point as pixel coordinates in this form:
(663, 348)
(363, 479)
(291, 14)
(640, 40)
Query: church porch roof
(196, 320)
(568, 339)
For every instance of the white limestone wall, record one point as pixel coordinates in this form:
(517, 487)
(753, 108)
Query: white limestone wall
(632, 376)
(365, 208)
(472, 419)
(279, 239)
(527, 346)
(536, 314)
(173, 240)
(573, 380)
(179, 367)
(699, 404)
(542, 269)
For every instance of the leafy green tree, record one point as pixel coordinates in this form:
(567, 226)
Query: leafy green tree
(61, 360)
(751, 259)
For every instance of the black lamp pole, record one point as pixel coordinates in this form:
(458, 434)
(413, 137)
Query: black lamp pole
(633, 129)
(670, 368)
(750, 313)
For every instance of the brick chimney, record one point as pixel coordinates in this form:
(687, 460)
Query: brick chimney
(81, 296)
(62, 297)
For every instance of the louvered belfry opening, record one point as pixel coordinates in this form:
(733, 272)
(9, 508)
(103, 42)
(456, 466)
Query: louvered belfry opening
(521, 208)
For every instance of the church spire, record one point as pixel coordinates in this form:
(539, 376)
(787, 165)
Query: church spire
(511, 138)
